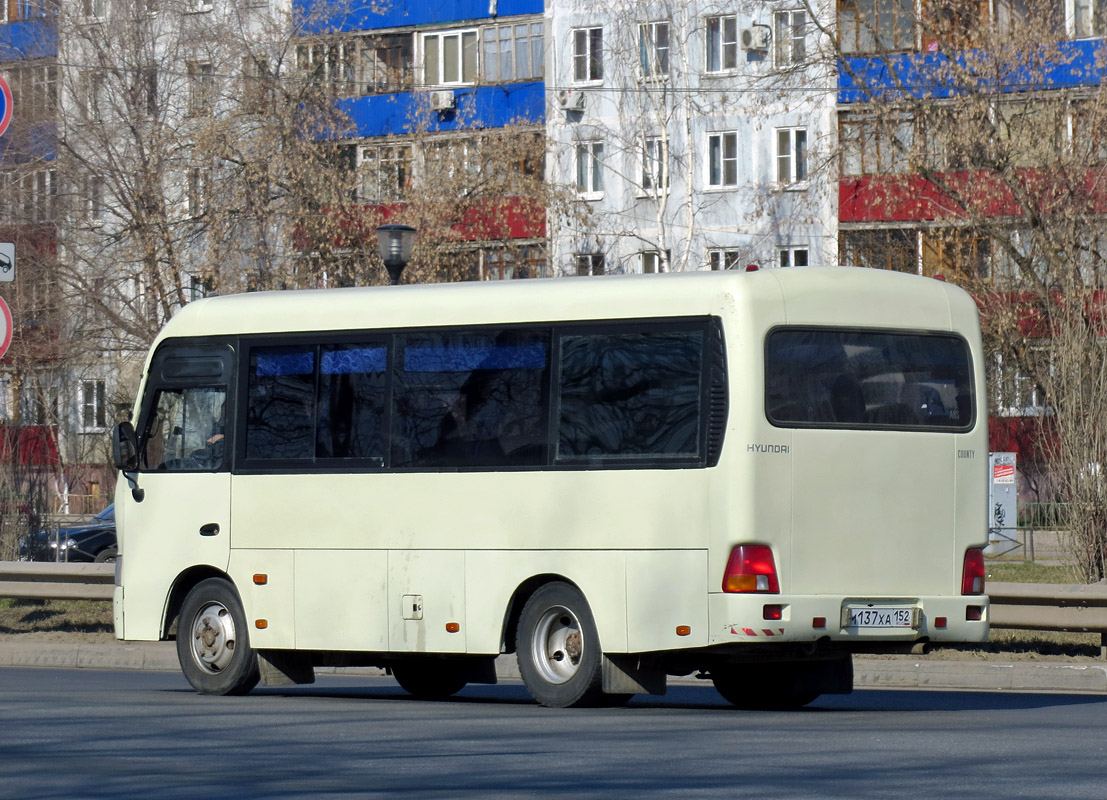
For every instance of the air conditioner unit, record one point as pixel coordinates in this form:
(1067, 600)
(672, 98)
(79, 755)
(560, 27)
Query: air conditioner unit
(442, 100)
(755, 38)
(570, 100)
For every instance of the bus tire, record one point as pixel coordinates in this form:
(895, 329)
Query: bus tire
(761, 687)
(213, 643)
(559, 653)
(429, 681)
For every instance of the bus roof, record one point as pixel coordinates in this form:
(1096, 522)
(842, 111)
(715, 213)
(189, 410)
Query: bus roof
(802, 295)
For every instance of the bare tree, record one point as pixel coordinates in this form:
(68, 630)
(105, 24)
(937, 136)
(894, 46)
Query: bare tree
(981, 159)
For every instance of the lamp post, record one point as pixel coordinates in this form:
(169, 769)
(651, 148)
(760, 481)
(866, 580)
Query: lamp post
(394, 243)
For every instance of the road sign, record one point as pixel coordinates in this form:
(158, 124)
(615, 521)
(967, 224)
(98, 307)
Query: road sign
(5, 105)
(6, 332)
(7, 261)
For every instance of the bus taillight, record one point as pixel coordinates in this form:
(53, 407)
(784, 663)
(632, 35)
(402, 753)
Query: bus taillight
(751, 568)
(972, 576)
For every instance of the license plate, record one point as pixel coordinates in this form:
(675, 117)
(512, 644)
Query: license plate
(879, 617)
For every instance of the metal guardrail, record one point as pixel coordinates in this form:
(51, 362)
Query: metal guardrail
(51, 581)
(1030, 606)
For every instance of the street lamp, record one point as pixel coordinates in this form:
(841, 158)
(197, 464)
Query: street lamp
(394, 243)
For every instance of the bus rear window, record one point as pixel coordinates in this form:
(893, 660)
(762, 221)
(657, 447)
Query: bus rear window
(834, 378)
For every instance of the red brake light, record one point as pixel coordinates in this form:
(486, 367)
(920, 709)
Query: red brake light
(972, 576)
(751, 569)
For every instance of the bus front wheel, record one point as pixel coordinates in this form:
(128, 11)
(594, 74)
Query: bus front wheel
(559, 653)
(213, 645)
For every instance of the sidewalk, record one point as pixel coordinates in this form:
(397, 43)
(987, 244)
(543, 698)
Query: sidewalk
(869, 673)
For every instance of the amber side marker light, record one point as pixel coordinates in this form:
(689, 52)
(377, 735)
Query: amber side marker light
(683, 630)
(261, 579)
(261, 624)
(452, 627)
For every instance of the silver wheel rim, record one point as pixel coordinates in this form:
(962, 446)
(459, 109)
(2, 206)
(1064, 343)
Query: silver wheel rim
(558, 645)
(213, 638)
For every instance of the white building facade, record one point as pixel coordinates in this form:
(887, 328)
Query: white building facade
(699, 135)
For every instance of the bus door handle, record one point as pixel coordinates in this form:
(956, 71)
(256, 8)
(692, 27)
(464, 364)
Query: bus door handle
(210, 529)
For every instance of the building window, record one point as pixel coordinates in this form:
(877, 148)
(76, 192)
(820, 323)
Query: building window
(653, 49)
(652, 261)
(386, 64)
(722, 259)
(198, 189)
(200, 286)
(791, 257)
(201, 87)
(589, 156)
(94, 100)
(330, 67)
(895, 249)
(37, 196)
(506, 263)
(587, 55)
(791, 155)
(34, 87)
(449, 58)
(1013, 392)
(722, 159)
(92, 9)
(94, 198)
(790, 38)
(589, 263)
(722, 43)
(385, 171)
(868, 26)
(93, 408)
(513, 52)
(872, 146)
(655, 158)
(1091, 18)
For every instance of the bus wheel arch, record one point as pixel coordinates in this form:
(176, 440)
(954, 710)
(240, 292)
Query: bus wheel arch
(509, 638)
(184, 583)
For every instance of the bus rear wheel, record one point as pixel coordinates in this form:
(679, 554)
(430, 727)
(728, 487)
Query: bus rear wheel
(213, 645)
(779, 686)
(429, 681)
(559, 653)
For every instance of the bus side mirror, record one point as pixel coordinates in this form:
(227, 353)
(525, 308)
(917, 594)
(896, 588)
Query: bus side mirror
(124, 447)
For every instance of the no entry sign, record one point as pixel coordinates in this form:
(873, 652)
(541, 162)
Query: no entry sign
(5, 327)
(5, 105)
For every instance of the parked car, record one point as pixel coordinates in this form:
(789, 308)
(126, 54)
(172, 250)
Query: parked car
(87, 541)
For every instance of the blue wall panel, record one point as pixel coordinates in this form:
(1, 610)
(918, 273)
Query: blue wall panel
(31, 39)
(359, 15)
(921, 75)
(477, 107)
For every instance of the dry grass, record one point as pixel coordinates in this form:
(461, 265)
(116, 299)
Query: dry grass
(56, 620)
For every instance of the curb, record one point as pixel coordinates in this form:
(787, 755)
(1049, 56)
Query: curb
(886, 673)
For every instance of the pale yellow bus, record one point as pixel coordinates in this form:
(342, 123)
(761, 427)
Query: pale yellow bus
(747, 477)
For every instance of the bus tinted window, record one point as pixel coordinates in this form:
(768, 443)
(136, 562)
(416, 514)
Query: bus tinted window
(470, 399)
(281, 403)
(630, 394)
(871, 379)
(351, 402)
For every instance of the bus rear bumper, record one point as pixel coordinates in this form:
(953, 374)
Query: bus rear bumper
(766, 618)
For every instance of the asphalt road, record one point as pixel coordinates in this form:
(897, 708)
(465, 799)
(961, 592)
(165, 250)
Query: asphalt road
(135, 734)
